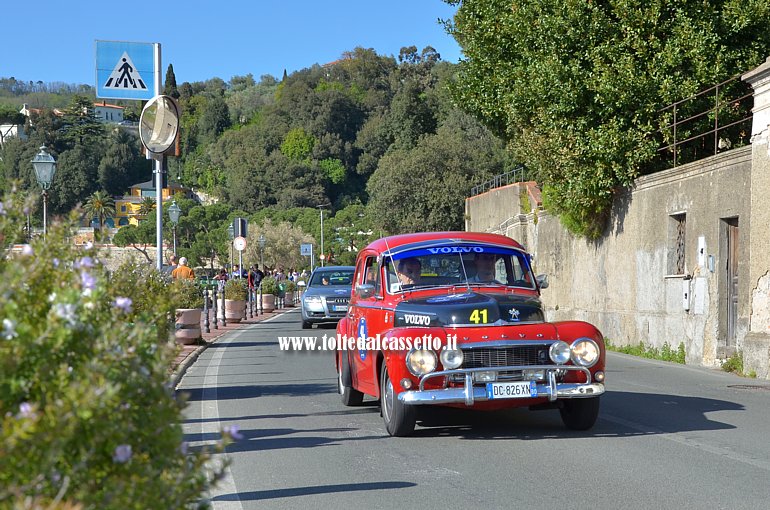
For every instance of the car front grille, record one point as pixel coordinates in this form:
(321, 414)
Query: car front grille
(490, 357)
(338, 300)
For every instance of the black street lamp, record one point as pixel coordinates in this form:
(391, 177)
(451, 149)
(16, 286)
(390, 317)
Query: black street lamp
(231, 233)
(174, 211)
(45, 168)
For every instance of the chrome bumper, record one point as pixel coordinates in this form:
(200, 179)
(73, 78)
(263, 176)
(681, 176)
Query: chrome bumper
(471, 394)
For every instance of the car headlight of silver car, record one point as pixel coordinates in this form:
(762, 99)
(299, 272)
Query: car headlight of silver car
(313, 300)
(585, 352)
(421, 362)
(451, 358)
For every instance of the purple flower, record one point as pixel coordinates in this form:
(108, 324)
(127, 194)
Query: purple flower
(87, 281)
(86, 262)
(55, 262)
(25, 410)
(233, 431)
(27, 250)
(183, 448)
(122, 454)
(123, 303)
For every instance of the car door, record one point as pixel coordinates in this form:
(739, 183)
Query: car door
(366, 324)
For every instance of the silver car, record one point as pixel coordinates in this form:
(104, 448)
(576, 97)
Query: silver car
(327, 296)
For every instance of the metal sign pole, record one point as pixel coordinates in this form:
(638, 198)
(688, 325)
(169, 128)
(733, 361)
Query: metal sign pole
(158, 169)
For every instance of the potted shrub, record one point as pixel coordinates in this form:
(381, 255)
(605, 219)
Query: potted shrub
(291, 288)
(188, 301)
(236, 291)
(269, 290)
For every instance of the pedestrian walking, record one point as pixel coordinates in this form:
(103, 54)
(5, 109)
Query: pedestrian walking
(182, 271)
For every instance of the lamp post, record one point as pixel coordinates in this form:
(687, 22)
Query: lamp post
(231, 233)
(262, 241)
(321, 208)
(173, 213)
(45, 168)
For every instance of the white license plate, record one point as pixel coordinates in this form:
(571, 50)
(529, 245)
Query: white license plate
(524, 389)
(340, 308)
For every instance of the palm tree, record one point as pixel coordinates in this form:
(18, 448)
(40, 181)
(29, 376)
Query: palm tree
(100, 206)
(146, 207)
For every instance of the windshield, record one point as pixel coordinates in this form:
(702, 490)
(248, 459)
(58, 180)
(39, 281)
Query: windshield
(339, 277)
(470, 264)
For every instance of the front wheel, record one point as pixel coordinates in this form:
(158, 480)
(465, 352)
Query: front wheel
(348, 395)
(399, 418)
(307, 325)
(580, 413)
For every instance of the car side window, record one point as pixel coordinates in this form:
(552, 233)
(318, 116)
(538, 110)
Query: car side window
(370, 271)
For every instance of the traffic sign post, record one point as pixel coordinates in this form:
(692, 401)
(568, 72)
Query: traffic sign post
(239, 243)
(306, 250)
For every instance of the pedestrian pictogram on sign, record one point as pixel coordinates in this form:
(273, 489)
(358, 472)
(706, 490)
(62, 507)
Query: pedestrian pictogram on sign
(125, 75)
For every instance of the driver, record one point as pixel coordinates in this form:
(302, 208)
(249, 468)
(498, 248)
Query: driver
(409, 270)
(485, 268)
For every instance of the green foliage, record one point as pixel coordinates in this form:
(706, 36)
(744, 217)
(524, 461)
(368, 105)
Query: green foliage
(290, 286)
(187, 294)
(269, 286)
(86, 413)
(333, 169)
(297, 145)
(575, 88)
(665, 353)
(734, 363)
(100, 207)
(236, 289)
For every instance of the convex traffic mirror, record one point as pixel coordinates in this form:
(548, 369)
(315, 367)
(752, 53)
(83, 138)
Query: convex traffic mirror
(159, 124)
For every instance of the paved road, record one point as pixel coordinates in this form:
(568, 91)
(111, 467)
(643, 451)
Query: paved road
(668, 436)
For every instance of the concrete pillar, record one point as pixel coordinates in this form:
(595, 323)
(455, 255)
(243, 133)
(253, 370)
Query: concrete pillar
(756, 349)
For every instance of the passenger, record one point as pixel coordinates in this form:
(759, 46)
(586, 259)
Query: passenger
(485, 268)
(324, 280)
(409, 271)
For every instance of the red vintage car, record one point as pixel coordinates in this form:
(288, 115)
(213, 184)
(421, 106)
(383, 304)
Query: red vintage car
(455, 319)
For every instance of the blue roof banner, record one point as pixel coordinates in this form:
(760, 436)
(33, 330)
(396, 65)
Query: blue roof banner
(125, 70)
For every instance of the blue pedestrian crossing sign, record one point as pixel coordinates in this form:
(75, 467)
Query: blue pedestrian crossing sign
(125, 70)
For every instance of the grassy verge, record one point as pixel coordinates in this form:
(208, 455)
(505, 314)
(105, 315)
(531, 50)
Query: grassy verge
(665, 353)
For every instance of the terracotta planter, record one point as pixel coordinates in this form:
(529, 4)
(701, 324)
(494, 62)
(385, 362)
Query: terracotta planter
(188, 325)
(235, 310)
(289, 300)
(268, 302)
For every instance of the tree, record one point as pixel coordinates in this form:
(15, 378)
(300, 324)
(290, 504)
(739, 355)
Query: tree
(169, 88)
(575, 87)
(424, 188)
(80, 126)
(137, 237)
(146, 207)
(282, 241)
(76, 178)
(99, 206)
(119, 167)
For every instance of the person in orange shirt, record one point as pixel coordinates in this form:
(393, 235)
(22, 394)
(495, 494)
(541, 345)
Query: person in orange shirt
(182, 271)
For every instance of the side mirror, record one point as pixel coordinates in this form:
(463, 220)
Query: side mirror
(542, 281)
(365, 290)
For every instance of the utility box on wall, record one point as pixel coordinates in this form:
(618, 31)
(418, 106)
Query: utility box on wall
(686, 294)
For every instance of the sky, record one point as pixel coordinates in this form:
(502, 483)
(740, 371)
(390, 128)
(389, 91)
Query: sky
(54, 41)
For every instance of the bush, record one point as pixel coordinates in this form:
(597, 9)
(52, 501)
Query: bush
(236, 289)
(269, 286)
(290, 286)
(187, 294)
(87, 417)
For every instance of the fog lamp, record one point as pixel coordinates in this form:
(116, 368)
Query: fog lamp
(484, 377)
(406, 383)
(533, 375)
(451, 358)
(599, 376)
(559, 352)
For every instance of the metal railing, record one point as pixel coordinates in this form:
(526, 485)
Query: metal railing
(691, 122)
(510, 177)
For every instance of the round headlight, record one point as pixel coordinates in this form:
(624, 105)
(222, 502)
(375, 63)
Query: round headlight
(421, 362)
(451, 358)
(585, 352)
(559, 352)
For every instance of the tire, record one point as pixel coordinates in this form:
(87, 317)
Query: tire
(580, 413)
(307, 325)
(399, 418)
(348, 395)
